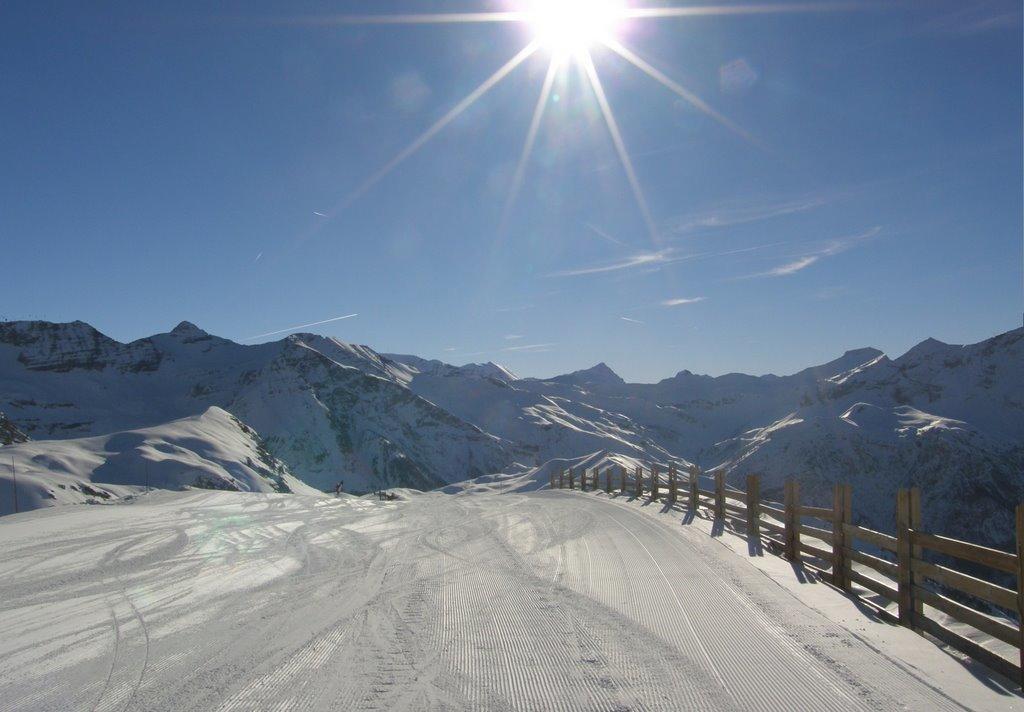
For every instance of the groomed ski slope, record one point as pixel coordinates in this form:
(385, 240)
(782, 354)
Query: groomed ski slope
(536, 601)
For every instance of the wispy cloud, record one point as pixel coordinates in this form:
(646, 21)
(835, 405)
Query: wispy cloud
(514, 337)
(529, 347)
(680, 301)
(973, 18)
(653, 261)
(319, 214)
(632, 321)
(299, 327)
(449, 349)
(258, 257)
(524, 348)
(828, 249)
(791, 267)
(642, 259)
(730, 214)
(603, 234)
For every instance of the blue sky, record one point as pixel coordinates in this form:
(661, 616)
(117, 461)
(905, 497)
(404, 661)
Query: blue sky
(161, 162)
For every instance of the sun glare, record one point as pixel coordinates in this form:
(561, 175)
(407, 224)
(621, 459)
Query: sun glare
(574, 26)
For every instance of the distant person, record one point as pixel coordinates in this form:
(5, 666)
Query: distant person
(339, 488)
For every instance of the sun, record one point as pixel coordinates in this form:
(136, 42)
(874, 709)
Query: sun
(571, 27)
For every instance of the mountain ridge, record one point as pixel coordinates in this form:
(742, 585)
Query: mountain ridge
(332, 410)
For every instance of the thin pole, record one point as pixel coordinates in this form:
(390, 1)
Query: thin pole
(1020, 584)
(14, 478)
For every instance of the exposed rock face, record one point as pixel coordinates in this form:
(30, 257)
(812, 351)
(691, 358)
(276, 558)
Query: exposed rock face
(9, 434)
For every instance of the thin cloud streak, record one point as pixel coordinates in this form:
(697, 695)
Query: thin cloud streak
(525, 348)
(976, 18)
(681, 301)
(602, 233)
(831, 248)
(791, 267)
(514, 337)
(632, 321)
(300, 326)
(639, 260)
(653, 261)
(728, 216)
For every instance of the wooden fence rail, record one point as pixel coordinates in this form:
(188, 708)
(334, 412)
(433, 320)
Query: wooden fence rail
(903, 569)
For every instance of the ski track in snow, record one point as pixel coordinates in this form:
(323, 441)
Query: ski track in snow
(539, 601)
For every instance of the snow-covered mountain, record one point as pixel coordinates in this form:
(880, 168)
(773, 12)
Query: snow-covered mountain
(949, 418)
(213, 450)
(332, 411)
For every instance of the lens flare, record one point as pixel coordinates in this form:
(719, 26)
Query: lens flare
(570, 27)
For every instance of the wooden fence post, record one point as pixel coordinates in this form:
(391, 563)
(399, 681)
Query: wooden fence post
(694, 486)
(792, 520)
(753, 507)
(572, 477)
(673, 484)
(561, 479)
(639, 481)
(914, 517)
(1020, 586)
(788, 519)
(842, 502)
(903, 555)
(720, 494)
(655, 481)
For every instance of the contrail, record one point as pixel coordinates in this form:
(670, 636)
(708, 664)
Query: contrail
(300, 326)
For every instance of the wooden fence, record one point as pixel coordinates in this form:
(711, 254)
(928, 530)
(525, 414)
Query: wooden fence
(825, 540)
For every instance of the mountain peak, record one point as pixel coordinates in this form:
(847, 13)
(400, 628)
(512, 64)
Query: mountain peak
(924, 350)
(188, 329)
(601, 374)
(490, 370)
